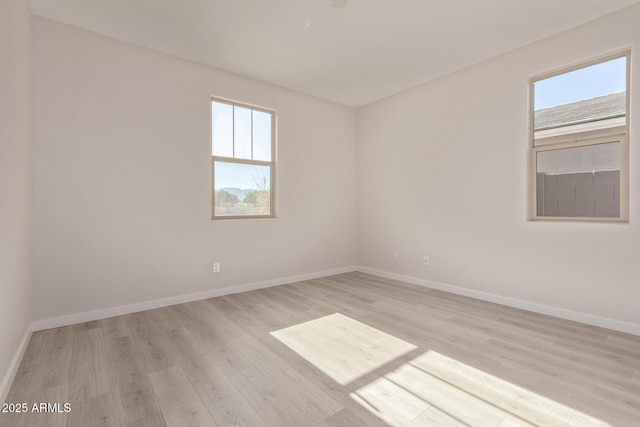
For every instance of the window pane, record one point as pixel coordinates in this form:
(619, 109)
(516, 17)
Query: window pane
(579, 182)
(222, 129)
(588, 99)
(242, 189)
(262, 136)
(242, 133)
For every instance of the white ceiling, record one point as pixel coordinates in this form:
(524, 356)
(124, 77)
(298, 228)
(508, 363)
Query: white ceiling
(360, 53)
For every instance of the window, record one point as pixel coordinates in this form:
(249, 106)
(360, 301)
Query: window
(579, 142)
(242, 160)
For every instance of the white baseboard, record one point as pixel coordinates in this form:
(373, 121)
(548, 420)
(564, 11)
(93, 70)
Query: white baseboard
(15, 365)
(71, 319)
(589, 319)
(87, 316)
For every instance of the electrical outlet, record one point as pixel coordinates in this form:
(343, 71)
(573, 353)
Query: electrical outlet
(425, 260)
(216, 267)
(396, 256)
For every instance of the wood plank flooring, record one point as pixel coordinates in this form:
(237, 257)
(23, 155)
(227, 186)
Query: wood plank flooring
(348, 350)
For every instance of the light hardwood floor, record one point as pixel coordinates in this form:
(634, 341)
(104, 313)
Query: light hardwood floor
(347, 350)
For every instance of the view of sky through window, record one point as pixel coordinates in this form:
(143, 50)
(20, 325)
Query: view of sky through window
(242, 154)
(244, 177)
(597, 80)
(232, 122)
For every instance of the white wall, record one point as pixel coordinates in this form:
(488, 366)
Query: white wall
(442, 171)
(122, 188)
(15, 185)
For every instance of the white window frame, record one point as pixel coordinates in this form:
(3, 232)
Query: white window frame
(619, 133)
(271, 164)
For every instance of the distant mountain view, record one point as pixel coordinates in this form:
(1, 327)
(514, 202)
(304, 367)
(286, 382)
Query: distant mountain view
(241, 194)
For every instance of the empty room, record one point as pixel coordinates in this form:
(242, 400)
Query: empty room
(319, 213)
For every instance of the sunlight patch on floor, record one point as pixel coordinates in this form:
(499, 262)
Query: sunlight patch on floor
(341, 347)
(433, 389)
(430, 390)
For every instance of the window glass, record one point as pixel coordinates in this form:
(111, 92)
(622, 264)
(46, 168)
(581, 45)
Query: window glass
(261, 136)
(579, 182)
(222, 129)
(242, 189)
(242, 140)
(579, 142)
(242, 133)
